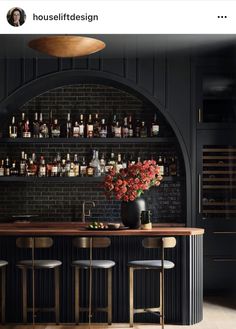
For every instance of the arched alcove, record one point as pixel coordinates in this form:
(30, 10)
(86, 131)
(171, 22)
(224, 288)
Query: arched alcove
(172, 194)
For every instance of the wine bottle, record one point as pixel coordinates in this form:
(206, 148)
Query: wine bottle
(68, 126)
(89, 127)
(13, 128)
(36, 126)
(155, 127)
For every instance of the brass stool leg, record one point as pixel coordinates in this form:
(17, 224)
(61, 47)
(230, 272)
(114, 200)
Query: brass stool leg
(162, 300)
(109, 295)
(57, 294)
(24, 293)
(131, 296)
(76, 295)
(3, 293)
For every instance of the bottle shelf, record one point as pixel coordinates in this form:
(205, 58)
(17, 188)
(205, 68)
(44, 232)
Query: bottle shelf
(26, 179)
(75, 140)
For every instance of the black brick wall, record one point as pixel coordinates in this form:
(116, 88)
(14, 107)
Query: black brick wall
(62, 201)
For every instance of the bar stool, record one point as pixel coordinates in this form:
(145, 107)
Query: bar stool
(24, 265)
(89, 242)
(159, 265)
(3, 265)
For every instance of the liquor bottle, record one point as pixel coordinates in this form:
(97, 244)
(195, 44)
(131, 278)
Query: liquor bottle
(68, 126)
(137, 128)
(42, 172)
(111, 163)
(68, 163)
(143, 130)
(58, 158)
(113, 125)
(76, 129)
(119, 164)
(130, 127)
(71, 172)
(131, 160)
(166, 167)
(55, 129)
(95, 163)
(7, 167)
(13, 128)
(76, 165)
(125, 128)
(21, 124)
(124, 162)
(54, 169)
(22, 170)
(13, 170)
(155, 127)
(26, 133)
(2, 168)
(31, 168)
(117, 130)
(43, 127)
(161, 165)
(96, 126)
(63, 168)
(89, 131)
(83, 168)
(81, 126)
(36, 126)
(103, 129)
(103, 164)
(90, 170)
(173, 167)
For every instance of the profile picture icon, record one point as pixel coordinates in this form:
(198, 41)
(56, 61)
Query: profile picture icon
(16, 16)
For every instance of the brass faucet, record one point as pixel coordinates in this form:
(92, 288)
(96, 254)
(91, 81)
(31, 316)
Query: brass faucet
(88, 213)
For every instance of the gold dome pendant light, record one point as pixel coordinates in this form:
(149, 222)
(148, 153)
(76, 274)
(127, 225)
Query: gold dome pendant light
(67, 46)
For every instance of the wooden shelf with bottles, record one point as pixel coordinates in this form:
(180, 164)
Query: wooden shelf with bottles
(74, 140)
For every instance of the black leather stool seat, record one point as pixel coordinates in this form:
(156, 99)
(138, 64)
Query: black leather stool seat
(94, 263)
(156, 264)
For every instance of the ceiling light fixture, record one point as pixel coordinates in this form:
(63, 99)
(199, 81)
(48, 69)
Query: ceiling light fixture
(67, 46)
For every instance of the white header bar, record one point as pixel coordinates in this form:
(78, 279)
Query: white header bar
(121, 17)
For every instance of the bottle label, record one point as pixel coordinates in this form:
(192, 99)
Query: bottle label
(83, 170)
(117, 131)
(76, 132)
(89, 130)
(155, 130)
(103, 133)
(125, 132)
(26, 134)
(56, 132)
(1, 171)
(90, 171)
(81, 130)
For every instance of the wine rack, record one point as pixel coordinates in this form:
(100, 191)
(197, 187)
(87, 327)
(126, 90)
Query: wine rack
(218, 181)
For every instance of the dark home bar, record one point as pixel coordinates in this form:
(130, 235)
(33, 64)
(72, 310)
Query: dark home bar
(117, 180)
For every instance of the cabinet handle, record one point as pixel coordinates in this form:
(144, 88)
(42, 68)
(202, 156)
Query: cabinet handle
(199, 193)
(199, 115)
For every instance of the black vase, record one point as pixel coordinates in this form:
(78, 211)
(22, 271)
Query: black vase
(131, 212)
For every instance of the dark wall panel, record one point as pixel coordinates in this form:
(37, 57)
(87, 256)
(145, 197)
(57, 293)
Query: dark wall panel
(114, 66)
(14, 75)
(2, 78)
(47, 66)
(145, 74)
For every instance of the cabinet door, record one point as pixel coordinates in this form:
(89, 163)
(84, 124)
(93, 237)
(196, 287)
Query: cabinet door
(216, 190)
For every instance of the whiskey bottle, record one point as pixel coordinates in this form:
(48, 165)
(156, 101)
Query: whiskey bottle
(68, 163)
(42, 167)
(130, 127)
(81, 126)
(173, 167)
(154, 127)
(89, 130)
(55, 129)
(22, 170)
(125, 128)
(119, 164)
(36, 126)
(58, 158)
(76, 129)
(113, 124)
(161, 165)
(21, 124)
(71, 172)
(76, 165)
(111, 163)
(102, 164)
(13, 170)
(13, 128)
(68, 126)
(95, 163)
(54, 169)
(143, 130)
(124, 162)
(166, 166)
(2, 168)
(90, 170)
(96, 126)
(7, 167)
(117, 130)
(31, 168)
(63, 168)
(26, 133)
(43, 127)
(83, 168)
(103, 129)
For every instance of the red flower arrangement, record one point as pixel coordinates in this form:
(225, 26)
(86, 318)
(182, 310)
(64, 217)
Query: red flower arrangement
(130, 183)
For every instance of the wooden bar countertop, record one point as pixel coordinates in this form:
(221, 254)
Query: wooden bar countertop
(80, 229)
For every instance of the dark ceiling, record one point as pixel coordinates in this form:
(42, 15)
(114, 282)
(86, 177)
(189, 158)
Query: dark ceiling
(116, 45)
